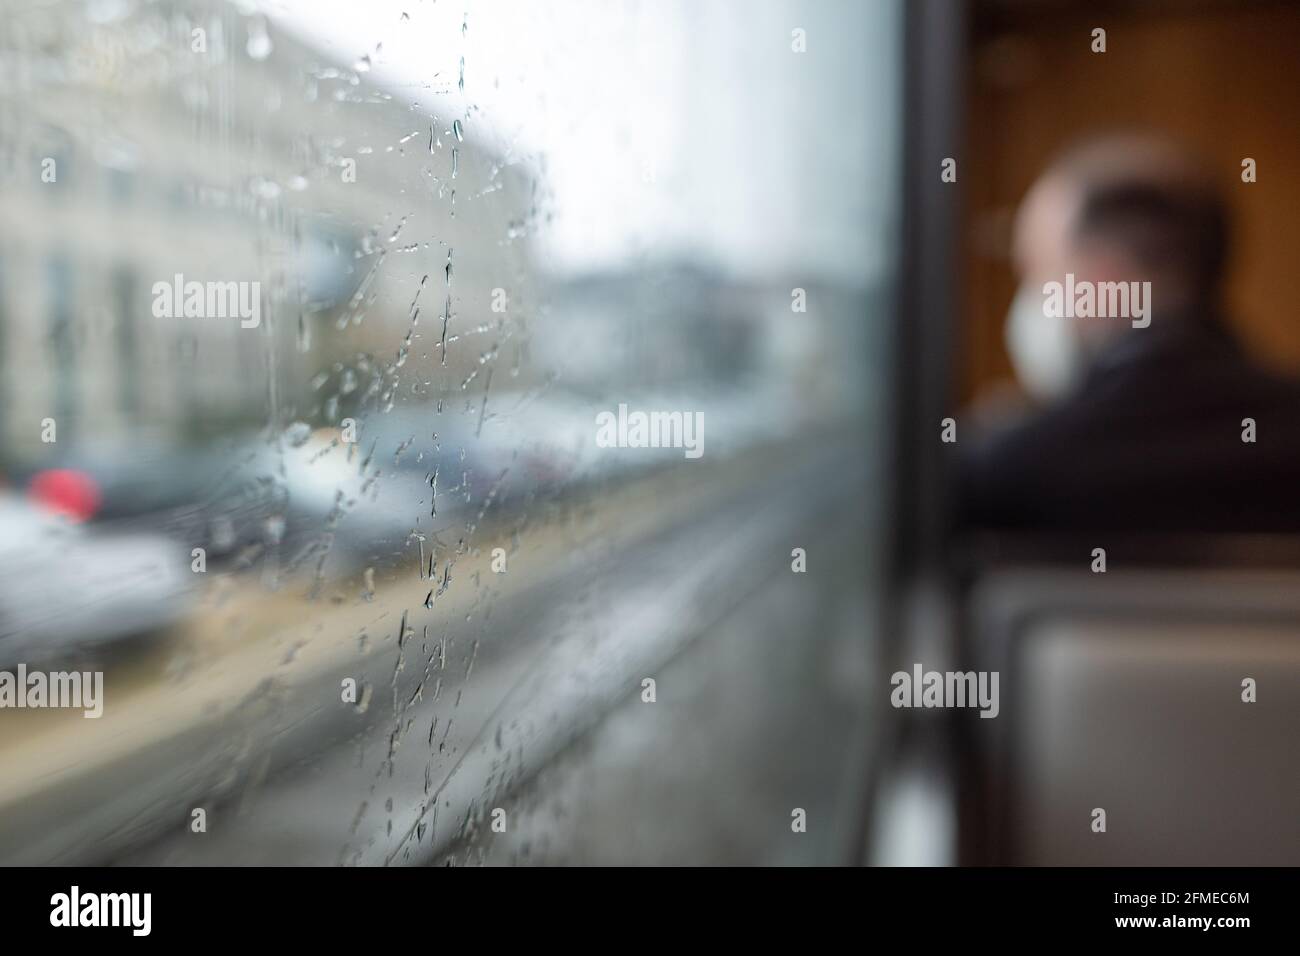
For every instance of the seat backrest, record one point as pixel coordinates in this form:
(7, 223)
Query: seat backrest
(1123, 692)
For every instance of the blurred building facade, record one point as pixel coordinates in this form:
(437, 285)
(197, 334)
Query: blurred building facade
(146, 140)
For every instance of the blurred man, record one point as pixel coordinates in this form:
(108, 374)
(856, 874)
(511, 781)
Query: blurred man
(1150, 417)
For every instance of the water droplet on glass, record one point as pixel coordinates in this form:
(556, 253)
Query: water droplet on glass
(223, 533)
(273, 528)
(362, 64)
(297, 434)
(259, 43)
(459, 130)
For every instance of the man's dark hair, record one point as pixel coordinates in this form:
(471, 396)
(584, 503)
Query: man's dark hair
(1174, 227)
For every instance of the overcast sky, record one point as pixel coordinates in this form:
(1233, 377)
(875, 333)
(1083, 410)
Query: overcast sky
(667, 127)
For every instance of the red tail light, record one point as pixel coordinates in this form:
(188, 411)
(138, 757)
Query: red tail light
(66, 492)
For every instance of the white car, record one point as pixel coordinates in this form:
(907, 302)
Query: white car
(64, 585)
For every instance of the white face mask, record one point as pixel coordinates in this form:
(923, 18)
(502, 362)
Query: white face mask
(1043, 349)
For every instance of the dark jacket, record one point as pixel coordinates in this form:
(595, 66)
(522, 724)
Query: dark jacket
(1150, 441)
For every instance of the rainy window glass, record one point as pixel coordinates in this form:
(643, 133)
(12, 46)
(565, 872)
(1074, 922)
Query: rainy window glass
(441, 433)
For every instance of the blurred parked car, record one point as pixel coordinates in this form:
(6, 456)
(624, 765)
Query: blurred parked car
(65, 585)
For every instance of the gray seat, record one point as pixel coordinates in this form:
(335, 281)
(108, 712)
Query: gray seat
(1123, 691)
